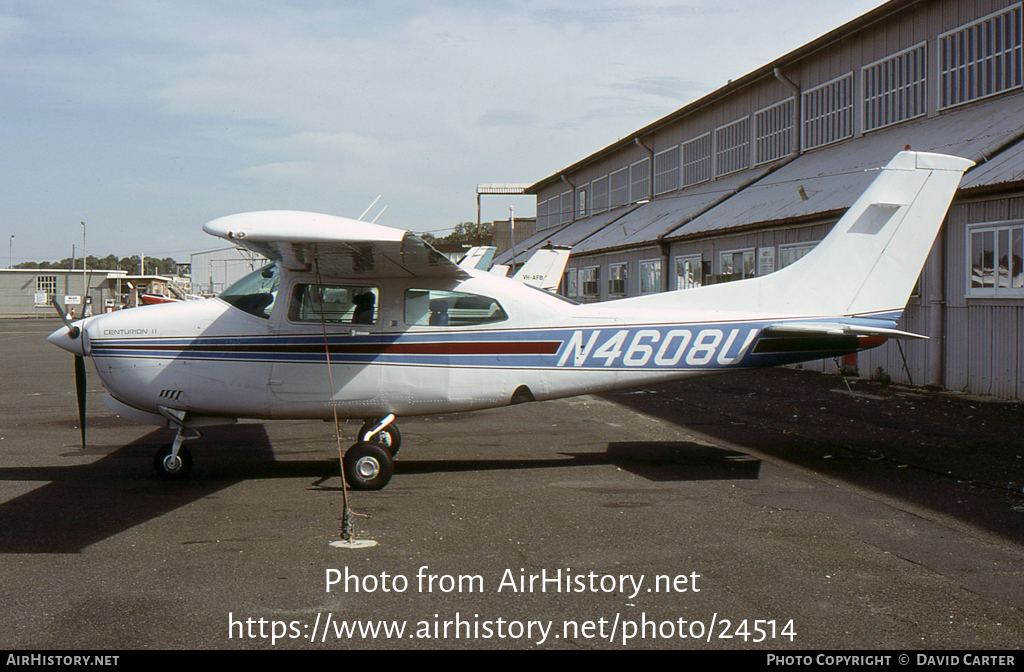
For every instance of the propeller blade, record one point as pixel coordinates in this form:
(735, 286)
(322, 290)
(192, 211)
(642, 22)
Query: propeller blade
(80, 390)
(72, 331)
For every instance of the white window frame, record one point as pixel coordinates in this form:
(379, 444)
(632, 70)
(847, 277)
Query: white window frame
(698, 169)
(646, 266)
(599, 199)
(732, 254)
(640, 180)
(621, 190)
(595, 279)
(1014, 240)
(832, 106)
(773, 131)
(974, 70)
(46, 283)
(566, 201)
(732, 147)
(697, 263)
(572, 286)
(542, 215)
(666, 170)
(581, 201)
(784, 250)
(618, 272)
(899, 84)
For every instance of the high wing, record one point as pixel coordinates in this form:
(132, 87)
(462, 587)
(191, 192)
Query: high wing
(336, 246)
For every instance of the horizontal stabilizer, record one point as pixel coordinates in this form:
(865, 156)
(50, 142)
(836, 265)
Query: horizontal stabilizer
(545, 268)
(477, 258)
(837, 329)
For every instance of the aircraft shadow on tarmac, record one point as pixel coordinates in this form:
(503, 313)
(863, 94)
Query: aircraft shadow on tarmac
(80, 505)
(653, 460)
(83, 504)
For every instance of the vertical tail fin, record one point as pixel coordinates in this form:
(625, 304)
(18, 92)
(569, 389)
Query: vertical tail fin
(873, 256)
(870, 260)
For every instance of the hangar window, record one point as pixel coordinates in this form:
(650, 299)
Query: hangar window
(344, 304)
(619, 183)
(981, 59)
(666, 171)
(789, 254)
(697, 160)
(46, 283)
(572, 288)
(542, 215)
(738, 264)
(599, 195)
(439, 308)
(650, 276)
(688, 272)
(894, 88)
(996, 260)
(732, 147)
(640, 180)
(590, 279)
(773, 131)
(828, 112)
(617, 279)
(255, 293)
(565, 208)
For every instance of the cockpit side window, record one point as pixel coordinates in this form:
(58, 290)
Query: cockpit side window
(255, 293)
(346, 304)
(437, 308)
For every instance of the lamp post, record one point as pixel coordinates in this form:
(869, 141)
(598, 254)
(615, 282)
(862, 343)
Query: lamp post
(85, 279)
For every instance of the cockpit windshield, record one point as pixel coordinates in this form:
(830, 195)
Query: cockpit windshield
(255, 293)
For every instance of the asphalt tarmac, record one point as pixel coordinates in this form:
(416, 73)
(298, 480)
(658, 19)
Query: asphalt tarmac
(774, 510)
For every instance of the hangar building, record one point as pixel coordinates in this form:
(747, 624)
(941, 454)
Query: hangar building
(747, 179)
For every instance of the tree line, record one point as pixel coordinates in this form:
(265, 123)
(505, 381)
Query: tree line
(464, 232)
(132, 264)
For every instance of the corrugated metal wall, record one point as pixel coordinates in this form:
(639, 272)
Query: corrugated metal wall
(976, 345)
(984, 337)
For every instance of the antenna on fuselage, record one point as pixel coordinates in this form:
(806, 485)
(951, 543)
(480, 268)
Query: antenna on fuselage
(368, 209)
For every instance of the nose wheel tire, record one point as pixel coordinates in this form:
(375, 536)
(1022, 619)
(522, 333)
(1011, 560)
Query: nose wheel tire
(368, 466)
(173, 468)
(389, 437)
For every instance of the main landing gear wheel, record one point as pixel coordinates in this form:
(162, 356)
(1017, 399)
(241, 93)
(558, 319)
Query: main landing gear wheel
(173, 468)
(389, 437)
(368, 466)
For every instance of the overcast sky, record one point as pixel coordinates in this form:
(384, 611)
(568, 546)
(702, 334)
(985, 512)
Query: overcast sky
(145, 118)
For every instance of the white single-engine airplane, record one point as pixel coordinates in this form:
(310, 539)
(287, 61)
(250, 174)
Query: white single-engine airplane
(368, 322)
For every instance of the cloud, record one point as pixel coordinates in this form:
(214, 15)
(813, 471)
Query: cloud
(507, 118)
(324, 105)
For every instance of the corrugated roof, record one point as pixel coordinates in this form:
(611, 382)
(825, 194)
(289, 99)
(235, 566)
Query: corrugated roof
(568, 235)
(880, 13)
(834, 176)
(652, 220)
(1004, 168)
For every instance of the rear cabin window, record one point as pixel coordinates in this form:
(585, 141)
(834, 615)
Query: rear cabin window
(338, 304)
(437, 308)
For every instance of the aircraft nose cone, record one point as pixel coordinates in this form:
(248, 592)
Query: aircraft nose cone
(62, 339)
